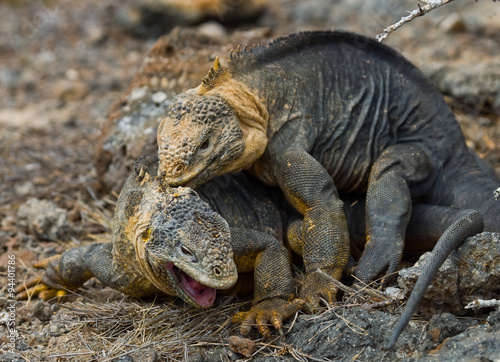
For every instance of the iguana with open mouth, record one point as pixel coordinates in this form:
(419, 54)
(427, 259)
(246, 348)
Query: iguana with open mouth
(322, 113)
(170, 241)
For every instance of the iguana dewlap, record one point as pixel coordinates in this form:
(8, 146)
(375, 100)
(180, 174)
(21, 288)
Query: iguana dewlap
(318, 113)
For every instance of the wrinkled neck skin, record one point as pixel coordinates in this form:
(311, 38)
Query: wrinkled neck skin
(137, 224)
(252, 116)
(134, 231)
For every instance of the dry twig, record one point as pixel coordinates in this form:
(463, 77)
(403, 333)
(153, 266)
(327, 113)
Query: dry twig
(481, 303)
(422, 10)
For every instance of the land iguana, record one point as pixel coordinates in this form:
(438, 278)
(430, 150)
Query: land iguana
(169, 241)
(162, 235)
(321, 113)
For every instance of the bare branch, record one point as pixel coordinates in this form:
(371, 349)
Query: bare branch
(422, 10)
(481, 303)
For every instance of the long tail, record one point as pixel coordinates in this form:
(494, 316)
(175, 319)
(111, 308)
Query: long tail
(468, 223)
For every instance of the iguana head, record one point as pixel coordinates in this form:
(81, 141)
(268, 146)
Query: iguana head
(181, 245)
(218, 127)
(199, 137)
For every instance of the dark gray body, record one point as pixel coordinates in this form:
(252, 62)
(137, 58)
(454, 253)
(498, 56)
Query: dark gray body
(245, 203)
(359, 98)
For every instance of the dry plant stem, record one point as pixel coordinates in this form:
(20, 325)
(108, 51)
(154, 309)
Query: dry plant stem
(481, 303)
(338, 284)
(422, 10)
(382, 304)
(369, 291)
(352, 291)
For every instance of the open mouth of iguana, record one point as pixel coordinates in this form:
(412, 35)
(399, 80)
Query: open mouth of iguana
(201, 294)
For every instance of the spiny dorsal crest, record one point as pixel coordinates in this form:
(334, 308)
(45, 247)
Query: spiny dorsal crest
(216, 69)
(245, 51)
(212, 73)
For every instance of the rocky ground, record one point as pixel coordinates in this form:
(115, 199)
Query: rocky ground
(67, 84)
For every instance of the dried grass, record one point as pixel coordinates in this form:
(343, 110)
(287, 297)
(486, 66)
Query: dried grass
(104, 331)
(113, 329)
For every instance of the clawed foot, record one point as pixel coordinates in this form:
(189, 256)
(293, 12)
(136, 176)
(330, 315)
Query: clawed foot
(46, 286)
(318, 289)
(382, 255)
(271, 311)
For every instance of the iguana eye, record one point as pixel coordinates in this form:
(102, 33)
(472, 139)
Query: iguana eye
(186, 251)
(205, 144)
(146, 234)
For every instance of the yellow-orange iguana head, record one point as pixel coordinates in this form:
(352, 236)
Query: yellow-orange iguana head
(218, 127)
(181, 245)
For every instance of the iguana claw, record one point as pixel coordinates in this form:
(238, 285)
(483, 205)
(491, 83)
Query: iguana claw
(273, 311)
(46, 286)
(318, 288)
(372, 262)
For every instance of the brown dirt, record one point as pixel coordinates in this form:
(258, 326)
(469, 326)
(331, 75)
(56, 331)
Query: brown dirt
(62, 65)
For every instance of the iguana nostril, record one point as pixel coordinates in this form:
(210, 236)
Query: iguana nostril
(217, 271)
(179, 168)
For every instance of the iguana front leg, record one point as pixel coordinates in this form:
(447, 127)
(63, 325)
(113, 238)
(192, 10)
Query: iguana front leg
(324, 240)
(70, 270)
(274, 299)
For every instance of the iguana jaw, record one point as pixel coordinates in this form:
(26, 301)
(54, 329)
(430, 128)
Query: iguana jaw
(174, 281)
(192, 179)
(192, 281)
(195, 282)
(203, 295)
(186, 180)
(215, 165)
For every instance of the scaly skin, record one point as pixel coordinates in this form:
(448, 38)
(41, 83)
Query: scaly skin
(168, 240)
(258, 216)
(323, 113)
(164, 239)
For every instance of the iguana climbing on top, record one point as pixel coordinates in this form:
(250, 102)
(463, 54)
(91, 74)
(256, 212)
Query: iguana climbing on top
(318, 113)
(168, 241)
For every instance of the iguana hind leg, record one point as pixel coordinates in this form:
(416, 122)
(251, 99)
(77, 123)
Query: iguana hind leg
(439, 229)
(466, 223)
(401, 172)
